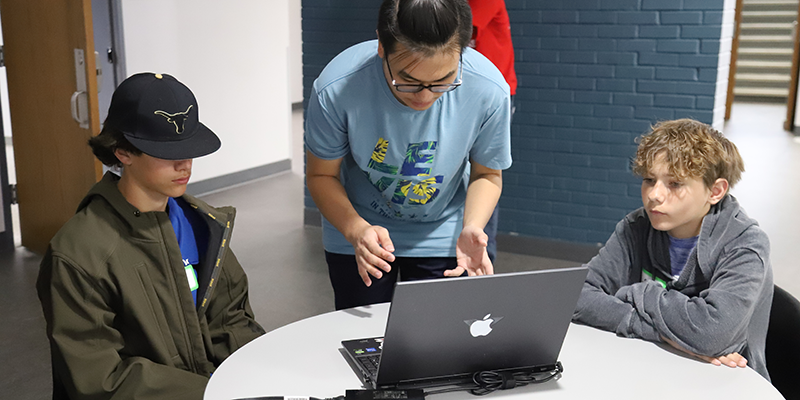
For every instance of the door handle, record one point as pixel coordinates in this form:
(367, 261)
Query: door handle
(79, 109)
(79, 102)
(99, 69)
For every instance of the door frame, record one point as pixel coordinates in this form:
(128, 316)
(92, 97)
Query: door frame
(734, 58)
(791, 100)
(118, 40)
(7, 235)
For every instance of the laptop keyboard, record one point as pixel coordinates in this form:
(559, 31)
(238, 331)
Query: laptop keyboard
(370, 362)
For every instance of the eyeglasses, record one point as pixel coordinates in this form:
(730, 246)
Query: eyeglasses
(438, 88)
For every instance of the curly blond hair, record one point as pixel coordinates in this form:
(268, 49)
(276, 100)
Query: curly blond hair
(692, 150)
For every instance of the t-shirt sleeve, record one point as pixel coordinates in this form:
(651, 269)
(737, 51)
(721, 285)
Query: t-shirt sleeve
(492, 146)
(325, 133)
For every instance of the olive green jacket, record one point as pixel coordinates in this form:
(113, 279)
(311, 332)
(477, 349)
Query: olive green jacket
(120, 316)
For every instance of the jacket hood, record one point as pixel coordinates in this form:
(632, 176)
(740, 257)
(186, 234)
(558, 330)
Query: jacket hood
(725, 221)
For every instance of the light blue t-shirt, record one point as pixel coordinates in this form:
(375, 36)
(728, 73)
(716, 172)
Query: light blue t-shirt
(403, 169)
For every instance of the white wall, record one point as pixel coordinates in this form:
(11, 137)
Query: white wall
(4, 100)
(234, 57)
(296, 51)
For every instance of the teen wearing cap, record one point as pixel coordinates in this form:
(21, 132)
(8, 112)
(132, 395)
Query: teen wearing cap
(406, 138)
(142, 295)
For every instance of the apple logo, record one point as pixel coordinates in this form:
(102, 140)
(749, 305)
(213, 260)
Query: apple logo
(481, 327)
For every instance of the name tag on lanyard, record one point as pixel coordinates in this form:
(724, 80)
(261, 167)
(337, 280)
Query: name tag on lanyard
(192, 277)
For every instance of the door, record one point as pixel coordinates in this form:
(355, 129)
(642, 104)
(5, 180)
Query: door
(50, 63)
(790, 123)
(108, 50)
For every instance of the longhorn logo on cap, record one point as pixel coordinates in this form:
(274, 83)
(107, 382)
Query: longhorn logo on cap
(177, 119)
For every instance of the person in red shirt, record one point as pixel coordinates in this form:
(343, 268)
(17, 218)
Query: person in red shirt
(491, 36)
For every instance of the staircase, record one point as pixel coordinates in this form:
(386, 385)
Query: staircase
(765, 50)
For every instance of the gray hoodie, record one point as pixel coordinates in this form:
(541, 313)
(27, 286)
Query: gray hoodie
(719, 304)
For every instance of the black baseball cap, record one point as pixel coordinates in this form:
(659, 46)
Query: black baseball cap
(159, 116)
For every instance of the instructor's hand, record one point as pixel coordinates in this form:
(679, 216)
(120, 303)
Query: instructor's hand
(471, 255)
(373, 252)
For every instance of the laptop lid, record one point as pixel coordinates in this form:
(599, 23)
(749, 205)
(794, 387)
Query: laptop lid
(444, 328)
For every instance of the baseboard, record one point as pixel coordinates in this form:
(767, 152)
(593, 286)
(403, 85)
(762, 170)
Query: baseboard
(312, 217)
(531, 246)
(549, 248)
(211, 185)
(7, 240)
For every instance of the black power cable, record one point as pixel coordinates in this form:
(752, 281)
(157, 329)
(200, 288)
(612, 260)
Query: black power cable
(287, 398)
(490, 381)
(485, 382)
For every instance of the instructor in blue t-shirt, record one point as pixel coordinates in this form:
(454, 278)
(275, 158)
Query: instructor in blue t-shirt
(407, 137)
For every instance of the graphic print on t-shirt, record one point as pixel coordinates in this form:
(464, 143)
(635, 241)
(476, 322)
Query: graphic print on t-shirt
(411, 184)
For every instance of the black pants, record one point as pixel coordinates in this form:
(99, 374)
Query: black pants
(350, 291)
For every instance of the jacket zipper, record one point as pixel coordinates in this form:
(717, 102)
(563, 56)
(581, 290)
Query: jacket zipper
(215, 273)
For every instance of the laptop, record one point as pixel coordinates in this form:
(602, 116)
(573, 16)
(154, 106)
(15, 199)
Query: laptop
(441, 331)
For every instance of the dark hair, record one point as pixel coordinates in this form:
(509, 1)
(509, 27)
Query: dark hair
(425, 26)
(110, 139)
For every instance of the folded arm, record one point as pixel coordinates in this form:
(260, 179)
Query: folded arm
(714, 323)
(608, 271)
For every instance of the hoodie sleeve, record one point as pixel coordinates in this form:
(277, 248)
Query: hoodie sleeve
(87, 349)
(713, 323)
(608, 272)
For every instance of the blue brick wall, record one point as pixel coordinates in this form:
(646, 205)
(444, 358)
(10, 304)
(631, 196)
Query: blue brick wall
(608, 69)
(593, 75)
(329, 27)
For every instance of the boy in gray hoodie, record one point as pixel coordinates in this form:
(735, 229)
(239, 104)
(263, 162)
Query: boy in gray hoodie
(690, 268)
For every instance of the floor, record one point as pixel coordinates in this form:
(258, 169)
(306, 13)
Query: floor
(284, 259)
(770, 184)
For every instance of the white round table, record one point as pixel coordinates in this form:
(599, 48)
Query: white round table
(303, 359)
